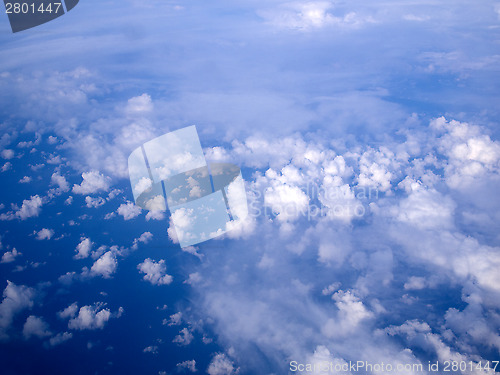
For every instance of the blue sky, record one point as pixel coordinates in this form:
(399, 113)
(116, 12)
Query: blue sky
(367, 134)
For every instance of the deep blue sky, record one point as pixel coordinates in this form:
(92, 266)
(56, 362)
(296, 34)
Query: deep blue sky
(390, 110)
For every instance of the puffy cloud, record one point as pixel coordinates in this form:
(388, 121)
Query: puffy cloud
(83, 248)
(129, 210)
(187, 366)
(94, 202)
(105, 266)
(153, 349)
(144, 238)
(89, 317)
(60, 338)
(184, 337)
(139, 104)
(155, 272)
(44, 234)
(59, 181)
(25, 180)
(35, 326)
(30, 208)
(221, 365)
(10, 256)
(8, 154)
(93, 182)
(175, 319)
(16, 298)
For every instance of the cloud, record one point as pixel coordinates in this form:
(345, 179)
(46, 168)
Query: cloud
(30, 208)
(93, 182)
(129, 210)
(83, 248)
(10, 256)
(175, 319)
(25, 180)
(60, 338)
(8, 154)
(155, 272)
(16, 298)
(151, 349)
(184, 337)
(139, 105)
(187, 366)
(105, 266)
(44, 234)
(90, 317)
(94, 202)
(144, 238)
(61, 183)
(35, 326)
(221, 365)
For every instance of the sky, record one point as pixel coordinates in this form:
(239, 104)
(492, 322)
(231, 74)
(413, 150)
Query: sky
(367, 134)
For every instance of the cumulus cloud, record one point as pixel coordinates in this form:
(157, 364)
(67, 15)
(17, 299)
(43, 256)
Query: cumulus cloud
(144, 238)
(128, 210)
(184, 337)
(93, 182)
(105, 266)
(155, 272)
(10, 256)
(35, 326)
(187, 366)
(83, 248)
(89, 317)
(60, 338)
(94, 202)
(8, 154)
(44, 234)
(221, 365)
(16, 298)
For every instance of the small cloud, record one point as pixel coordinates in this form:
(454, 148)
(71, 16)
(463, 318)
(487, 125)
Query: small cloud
(83, 248)
(10, 256)
(44, 234)
(153, 349)
(105, 266)
(155, 272)
(60, 338)
(184, 337)
(7, 154)
(35, 326)
(187, 366)
(92, 317)
(25, 180)
(221, 365)
(93, 182)
(129, 210)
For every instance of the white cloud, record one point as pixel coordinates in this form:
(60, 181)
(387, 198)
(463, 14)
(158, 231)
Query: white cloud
(139, 104)
(153, 349)
(94, 202)
(69, 312)
(194, 278)
(187, 366)
(184, 337)
(144, 238)
(92, 317)
(10, 256)
(25, 180)
(44, 234)
(30, 208)
(221, 365)
(16, 298)
(6, 166)
(35, 326)
(175, 319)
(60, 338)
(83, 248)
(93, 182)
(8, 154)
(105, 266)
(129, 210)
(155, 272)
